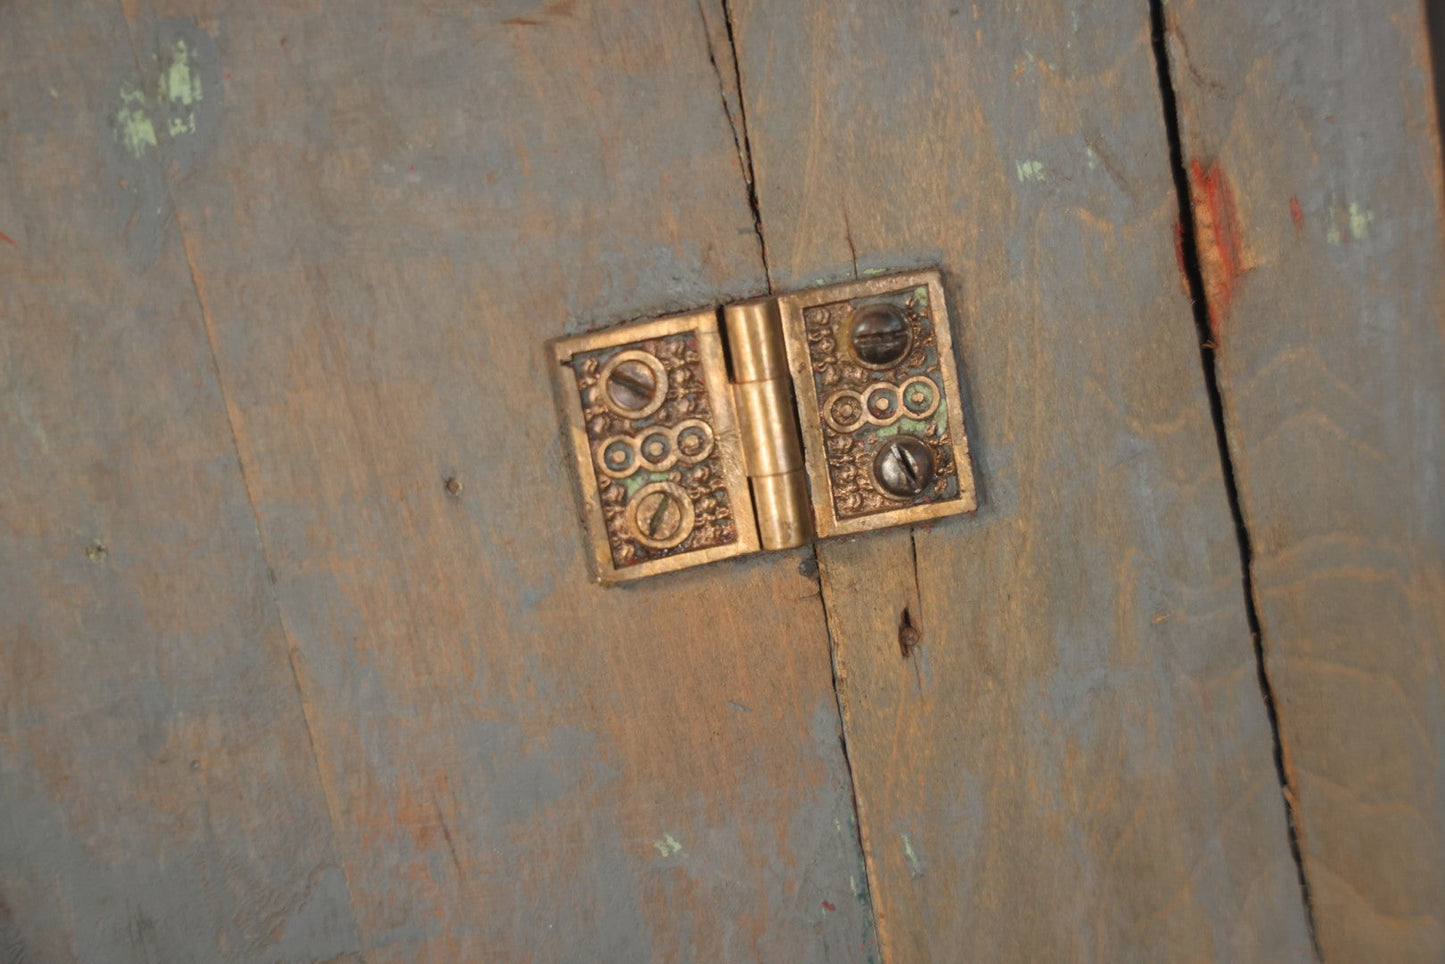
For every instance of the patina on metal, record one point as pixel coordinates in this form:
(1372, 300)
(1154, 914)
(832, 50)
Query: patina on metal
(682, 463)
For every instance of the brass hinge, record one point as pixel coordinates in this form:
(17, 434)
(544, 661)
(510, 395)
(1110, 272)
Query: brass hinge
(689, 447)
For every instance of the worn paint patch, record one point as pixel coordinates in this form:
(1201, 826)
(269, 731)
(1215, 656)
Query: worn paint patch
(667, 846)
(1360, 220)
(1218, 239)
(164, 117)
(1348, 222)
(179, 83)
(1027, 171)
(178, 90)
(133, 125)
(915, 867)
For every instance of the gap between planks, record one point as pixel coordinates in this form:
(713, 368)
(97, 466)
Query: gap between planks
(1208, 352)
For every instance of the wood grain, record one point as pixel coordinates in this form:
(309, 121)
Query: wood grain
(399, 207)
(1314, 125)
(1075, 761)
(159, 797)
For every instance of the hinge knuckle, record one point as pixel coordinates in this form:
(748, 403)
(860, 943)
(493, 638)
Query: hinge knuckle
(772, 451)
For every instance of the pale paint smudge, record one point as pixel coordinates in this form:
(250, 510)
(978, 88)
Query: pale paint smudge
(1348, 222)
(133, 124)
(1029, 171)
(667, 846)
(179, 84)
(179, 87)
(1360, 222)
(915, 870)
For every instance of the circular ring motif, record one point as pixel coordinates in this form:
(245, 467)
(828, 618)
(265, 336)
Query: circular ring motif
(632, 384)
(657, 450)
(881, 401)
(882, 404)
(660, 515)
(616, 457)
(845, 410)
(920, 397)
(692, 440)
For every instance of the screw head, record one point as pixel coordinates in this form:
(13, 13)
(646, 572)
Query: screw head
(903, 466)
(879, 335)
(632, 386)
(661, 515)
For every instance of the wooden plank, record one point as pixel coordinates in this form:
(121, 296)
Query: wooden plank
(1309, 132)
(400, 206)
(159, 797)
(1075, 760)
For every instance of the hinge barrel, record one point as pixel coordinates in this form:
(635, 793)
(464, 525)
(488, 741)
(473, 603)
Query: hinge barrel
(763, 391)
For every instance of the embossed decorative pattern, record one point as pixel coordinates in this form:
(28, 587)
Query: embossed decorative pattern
(660, 476)
(861, 407)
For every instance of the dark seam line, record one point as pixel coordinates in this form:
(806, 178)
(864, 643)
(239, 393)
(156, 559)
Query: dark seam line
(867, 885)
(1208, 357)
(745, 155)
(747, 147)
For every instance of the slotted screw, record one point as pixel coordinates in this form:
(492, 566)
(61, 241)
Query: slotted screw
(880, 335)
(659, 514)
(632, 385)
(903, 466)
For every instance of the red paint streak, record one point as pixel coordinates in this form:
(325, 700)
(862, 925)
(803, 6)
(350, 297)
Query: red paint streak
(411, 167)
(829, 907)
(8, 240)
(1217, 237)
(1296, 212)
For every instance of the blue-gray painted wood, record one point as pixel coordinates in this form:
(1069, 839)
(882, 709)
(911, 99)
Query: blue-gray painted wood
(1320, 120)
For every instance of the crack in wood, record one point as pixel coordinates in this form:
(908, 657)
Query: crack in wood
(1206, 322)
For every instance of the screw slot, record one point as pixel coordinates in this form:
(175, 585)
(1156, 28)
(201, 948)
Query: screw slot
(879, 335)
(903, 467)
(634, 384)
(661, 515)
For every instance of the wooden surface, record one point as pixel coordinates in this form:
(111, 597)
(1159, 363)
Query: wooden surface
(159, 798)
(1075, 762)
(1311, 134)
(386, 213)
(299, 658)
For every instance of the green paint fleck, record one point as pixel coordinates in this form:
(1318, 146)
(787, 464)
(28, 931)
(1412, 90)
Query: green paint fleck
(667, 846)
(134, 127)
(179, 84)
(914, 870)
(920, 295)
(915, 427)
(186, 125)
(1029, 171)
(1360, 222)
(874, 272)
